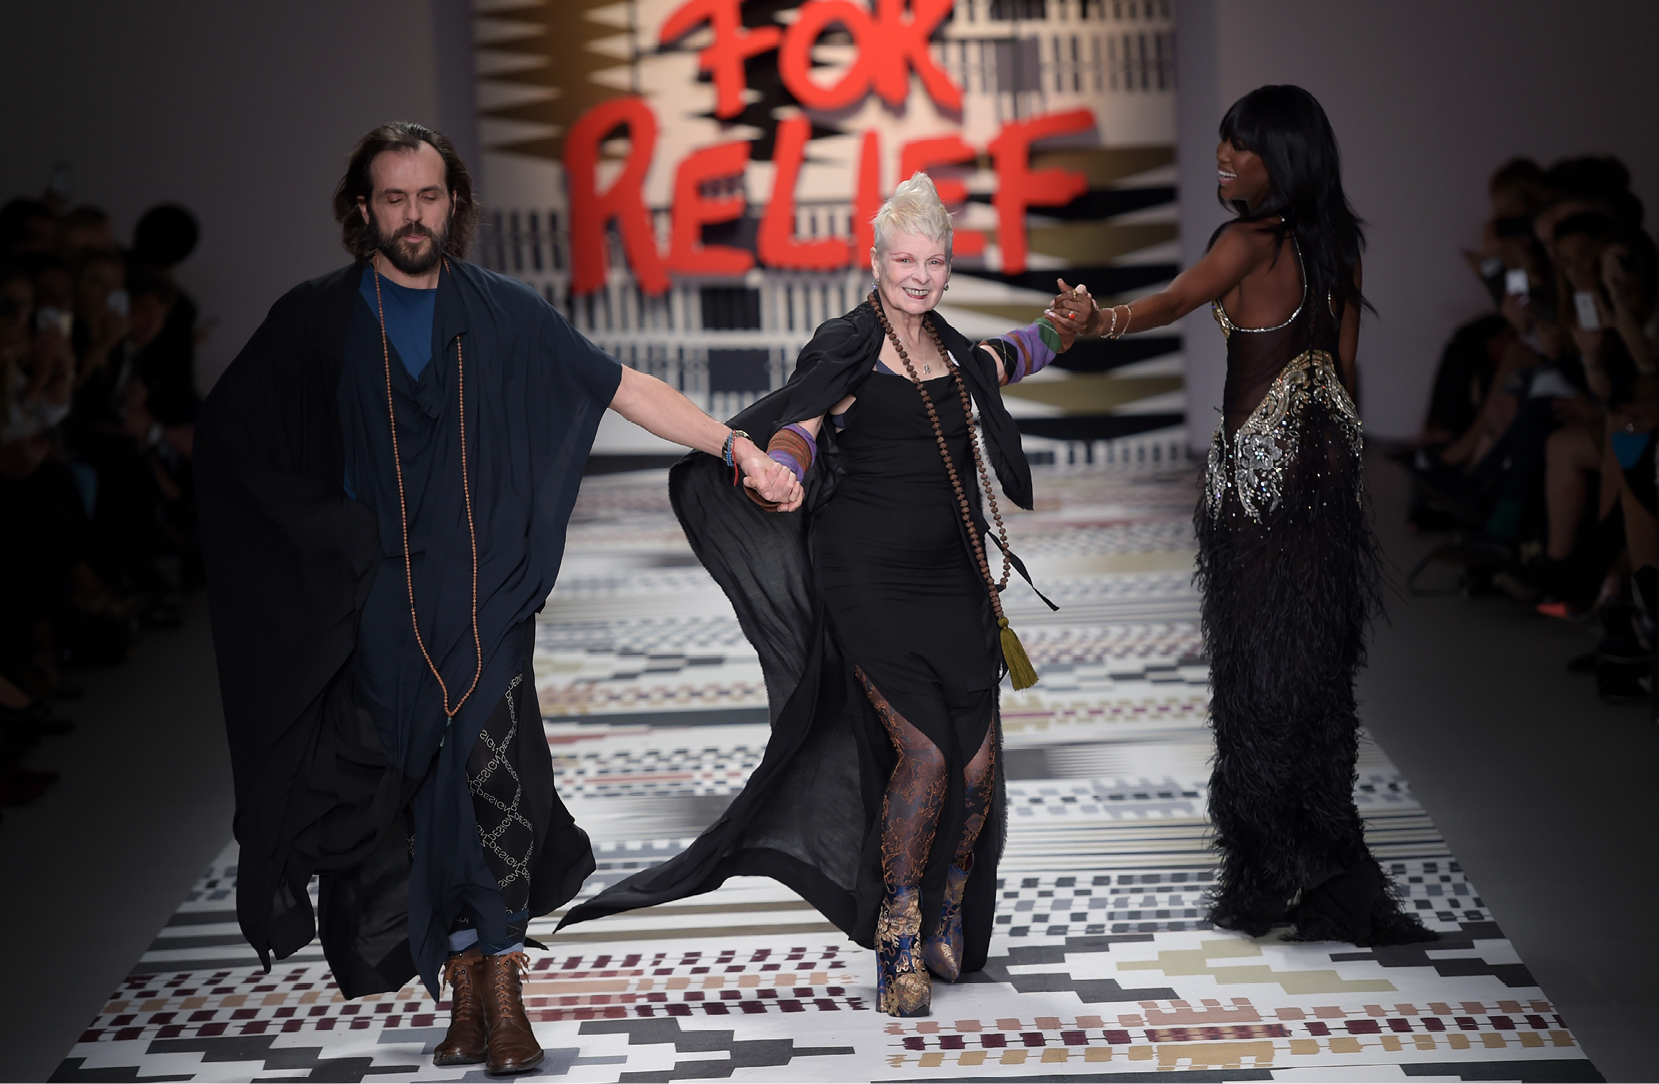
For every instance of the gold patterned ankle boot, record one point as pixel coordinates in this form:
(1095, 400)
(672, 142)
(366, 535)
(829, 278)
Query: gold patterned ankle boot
(942, 951)
(903, 987)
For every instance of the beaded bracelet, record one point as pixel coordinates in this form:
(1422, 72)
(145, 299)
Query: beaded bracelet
(727, 453)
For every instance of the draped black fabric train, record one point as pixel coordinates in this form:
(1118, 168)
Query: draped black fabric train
(874, 572)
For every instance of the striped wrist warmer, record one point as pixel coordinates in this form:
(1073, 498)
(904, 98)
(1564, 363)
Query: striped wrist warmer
(1028, 349)
(794, 448)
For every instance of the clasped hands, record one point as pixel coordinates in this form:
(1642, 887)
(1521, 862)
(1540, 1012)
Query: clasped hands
(773, 483)
(1073, 312)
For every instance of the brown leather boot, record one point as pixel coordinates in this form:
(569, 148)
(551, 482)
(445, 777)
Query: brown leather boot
(512, 1044)
(465, 1043)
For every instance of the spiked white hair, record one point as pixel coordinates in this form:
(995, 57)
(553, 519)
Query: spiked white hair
(915, 207)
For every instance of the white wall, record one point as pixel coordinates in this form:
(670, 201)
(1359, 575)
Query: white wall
(1427, 98)
(243, 112)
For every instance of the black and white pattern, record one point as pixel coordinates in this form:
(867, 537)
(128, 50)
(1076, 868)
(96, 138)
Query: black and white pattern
(1103, 961)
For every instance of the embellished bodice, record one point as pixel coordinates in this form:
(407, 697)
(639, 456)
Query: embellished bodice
(1256, 355)
(1274, 374)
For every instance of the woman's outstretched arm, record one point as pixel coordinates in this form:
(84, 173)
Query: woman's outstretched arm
(1235, 253)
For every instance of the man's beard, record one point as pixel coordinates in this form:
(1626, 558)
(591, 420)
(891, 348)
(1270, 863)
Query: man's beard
(402, 255)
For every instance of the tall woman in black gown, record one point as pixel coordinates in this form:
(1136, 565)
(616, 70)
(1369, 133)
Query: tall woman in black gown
(1287, 560)
(876, 618)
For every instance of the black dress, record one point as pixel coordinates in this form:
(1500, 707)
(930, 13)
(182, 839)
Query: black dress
(873, 575)
(1288, 566)
(906, 603)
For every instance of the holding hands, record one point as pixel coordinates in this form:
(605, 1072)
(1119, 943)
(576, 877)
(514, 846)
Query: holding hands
(770, 482)
(1075, 312)
(1072, 312)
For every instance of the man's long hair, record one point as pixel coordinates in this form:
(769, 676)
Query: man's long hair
(402, 135)
(1286, 126)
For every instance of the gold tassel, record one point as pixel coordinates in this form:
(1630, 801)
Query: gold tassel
(1020, 671)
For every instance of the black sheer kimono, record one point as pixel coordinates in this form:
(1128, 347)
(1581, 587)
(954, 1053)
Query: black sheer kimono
(810, 814)
(345, 764)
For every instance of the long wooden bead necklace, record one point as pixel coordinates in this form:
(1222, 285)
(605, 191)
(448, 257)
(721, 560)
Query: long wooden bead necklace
(403, 504)
(1020, 671)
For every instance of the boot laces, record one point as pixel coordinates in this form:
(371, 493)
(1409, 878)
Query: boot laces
(507, 979)
(457, 974)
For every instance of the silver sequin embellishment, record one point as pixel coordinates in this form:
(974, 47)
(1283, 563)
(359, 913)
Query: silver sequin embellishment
(1270, 436)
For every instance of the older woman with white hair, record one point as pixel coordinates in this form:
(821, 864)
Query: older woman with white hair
(871, 603)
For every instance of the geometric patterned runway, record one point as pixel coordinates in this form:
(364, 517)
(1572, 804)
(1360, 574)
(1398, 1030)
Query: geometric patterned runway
(1102, 966)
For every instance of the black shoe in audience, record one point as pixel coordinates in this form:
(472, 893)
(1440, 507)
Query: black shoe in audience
(1625, 682)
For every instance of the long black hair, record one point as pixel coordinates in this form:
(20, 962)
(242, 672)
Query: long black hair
(1287, 128)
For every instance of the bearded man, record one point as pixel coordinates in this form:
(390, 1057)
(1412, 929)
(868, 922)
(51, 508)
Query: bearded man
(385, 476)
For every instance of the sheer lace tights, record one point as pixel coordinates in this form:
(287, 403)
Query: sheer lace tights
(916, 796)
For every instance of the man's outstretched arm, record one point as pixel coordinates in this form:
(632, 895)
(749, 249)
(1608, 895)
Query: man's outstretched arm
(659, 409)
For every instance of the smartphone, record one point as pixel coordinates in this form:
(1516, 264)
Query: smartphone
(50, 317)
(1588, 318)
(118, 302)
(1515, 281)
(1550, 384)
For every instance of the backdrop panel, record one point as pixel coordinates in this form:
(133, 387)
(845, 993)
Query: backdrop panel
(691, 181)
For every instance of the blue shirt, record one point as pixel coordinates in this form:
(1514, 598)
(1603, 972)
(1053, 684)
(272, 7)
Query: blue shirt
(408, 327)
(408, 319)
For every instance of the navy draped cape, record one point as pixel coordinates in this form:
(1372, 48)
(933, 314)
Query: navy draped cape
(345, 763)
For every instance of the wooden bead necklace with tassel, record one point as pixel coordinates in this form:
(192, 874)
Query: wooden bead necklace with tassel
(1020, 671)
(403, 504)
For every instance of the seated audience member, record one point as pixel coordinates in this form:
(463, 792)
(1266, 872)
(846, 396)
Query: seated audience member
(1472, 359)
(1496, 472)
(54, 286)
(100, 310)
(97, 404)
(132, 424)
(1463, 379)
(165, 237)
(1516, 192)
(83, 231)
(43, 532)
(1630, 278)
(1577, 453)
(27, 229)
(1585, 185)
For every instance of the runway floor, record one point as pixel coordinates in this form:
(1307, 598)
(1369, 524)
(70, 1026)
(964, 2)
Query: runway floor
(1102, 964)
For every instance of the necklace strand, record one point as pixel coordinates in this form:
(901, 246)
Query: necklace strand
(944, 452)
(403, 504)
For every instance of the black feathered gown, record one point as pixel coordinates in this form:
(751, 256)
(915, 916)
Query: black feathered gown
(1288, 566)
(873, 571)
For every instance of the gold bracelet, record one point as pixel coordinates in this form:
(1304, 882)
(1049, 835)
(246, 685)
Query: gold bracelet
(1115, 333)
